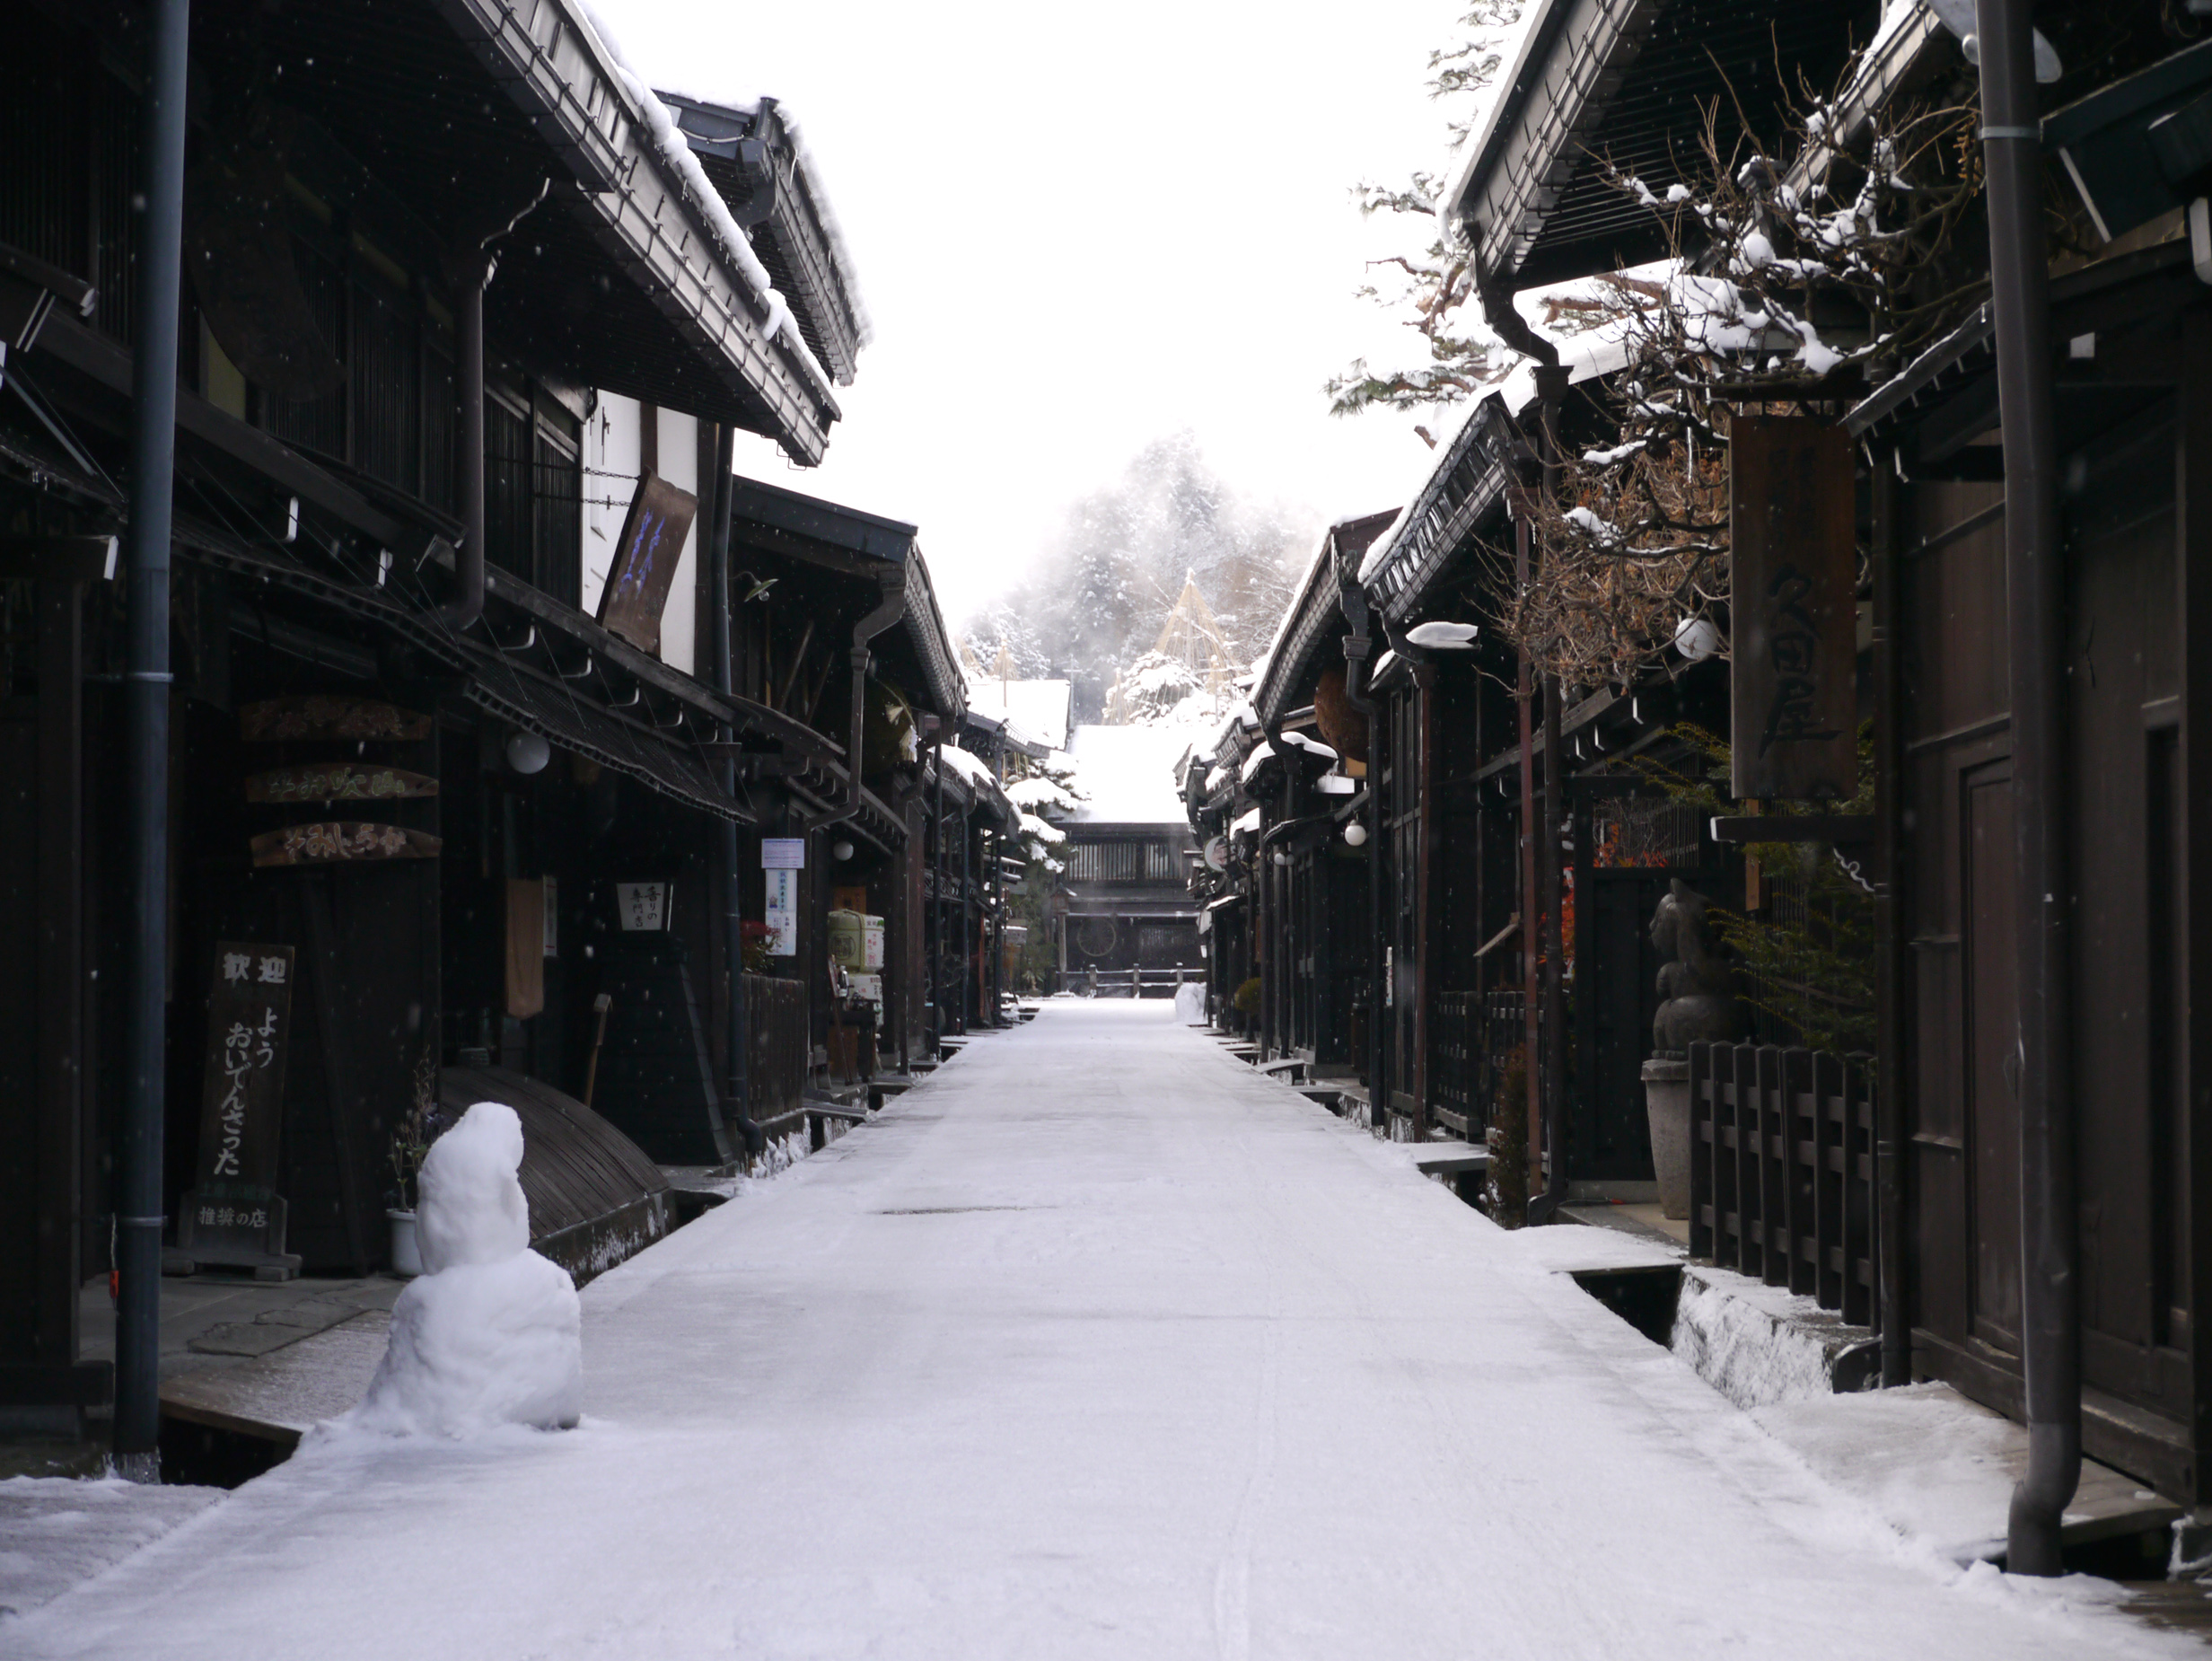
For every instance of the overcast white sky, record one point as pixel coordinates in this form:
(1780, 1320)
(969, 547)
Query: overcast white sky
(1080, 228)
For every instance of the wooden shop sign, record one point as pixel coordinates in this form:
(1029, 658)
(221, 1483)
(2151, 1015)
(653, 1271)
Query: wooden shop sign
(337, 781)
(249, 1034)
(1793, 721)
(342, 843)
(644, 561)
(233, 1215)
(320, 715)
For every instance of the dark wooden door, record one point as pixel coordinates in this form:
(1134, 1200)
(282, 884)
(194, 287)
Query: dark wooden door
(1616, 995)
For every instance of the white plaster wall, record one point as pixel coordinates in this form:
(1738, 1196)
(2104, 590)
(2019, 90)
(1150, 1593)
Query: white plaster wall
(680, 465)
(610, 462)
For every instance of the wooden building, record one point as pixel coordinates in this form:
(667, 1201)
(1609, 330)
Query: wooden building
(1130, 924)
(461, 805)
(1928, 1249)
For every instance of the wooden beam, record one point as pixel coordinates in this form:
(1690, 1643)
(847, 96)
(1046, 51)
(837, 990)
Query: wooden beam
(57, 558)
(1795, 828)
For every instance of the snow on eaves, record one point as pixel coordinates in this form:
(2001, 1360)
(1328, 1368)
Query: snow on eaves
(1263, 753)
(970, 766)
(1587, 356)
(808, 171)
(675, 153)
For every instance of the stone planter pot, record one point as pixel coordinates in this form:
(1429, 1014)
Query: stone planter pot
(407, 1258)
(1666, 1099)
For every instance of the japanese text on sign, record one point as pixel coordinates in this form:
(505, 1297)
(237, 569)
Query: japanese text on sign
(248, 1017)
(643, 906)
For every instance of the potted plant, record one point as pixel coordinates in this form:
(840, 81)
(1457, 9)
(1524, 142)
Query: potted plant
(412, 1139)
(753, 937)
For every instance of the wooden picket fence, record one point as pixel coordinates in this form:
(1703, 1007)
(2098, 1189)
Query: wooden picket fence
(1782, 1170)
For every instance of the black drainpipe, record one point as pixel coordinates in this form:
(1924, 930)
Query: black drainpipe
(1890, 966)
(737, 1037)
(468, 604)
(967, 908)
(889, 610)
(1551, 388)
(1357, 645)
(2020, 305)
(153, 436)
(1514, 329)
(936, 896)
(470, 273)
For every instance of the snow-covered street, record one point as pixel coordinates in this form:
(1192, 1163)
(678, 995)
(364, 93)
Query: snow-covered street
(1099, 1344)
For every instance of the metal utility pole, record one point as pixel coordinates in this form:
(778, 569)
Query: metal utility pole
(146, 1030)
(2020, 307)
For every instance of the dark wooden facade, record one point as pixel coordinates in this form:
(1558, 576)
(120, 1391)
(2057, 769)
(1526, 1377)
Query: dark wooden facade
(462, 941)
(2133, 442)
(2131, 336)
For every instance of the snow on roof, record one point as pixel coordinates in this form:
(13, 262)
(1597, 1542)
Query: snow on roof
(1129, 773)
(1248, 819)
(675, 153)
(684, 85)
(1261, 753)
(1588, 356)
(969, 767)
(1039, 707)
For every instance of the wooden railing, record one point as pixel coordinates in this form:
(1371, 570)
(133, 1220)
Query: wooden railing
(776, 1058)
(1472, 1038)
(1457, 1074)
(1782, 1170)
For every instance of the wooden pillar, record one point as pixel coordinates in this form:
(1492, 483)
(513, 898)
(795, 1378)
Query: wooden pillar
(2194, 566)
(41, 1121)
(1425, 887)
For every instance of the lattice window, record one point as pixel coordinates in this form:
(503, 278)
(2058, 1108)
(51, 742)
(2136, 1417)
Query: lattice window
(1644, 831)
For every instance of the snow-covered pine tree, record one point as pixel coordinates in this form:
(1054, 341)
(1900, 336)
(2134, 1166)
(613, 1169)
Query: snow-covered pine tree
(1435, 283)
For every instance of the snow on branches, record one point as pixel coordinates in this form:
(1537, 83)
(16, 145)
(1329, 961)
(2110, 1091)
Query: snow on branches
(1433, 284)
(1793, 278)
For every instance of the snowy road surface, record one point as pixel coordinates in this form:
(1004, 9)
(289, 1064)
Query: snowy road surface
(1098, 1344)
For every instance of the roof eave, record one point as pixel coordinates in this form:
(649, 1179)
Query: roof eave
(555, 67)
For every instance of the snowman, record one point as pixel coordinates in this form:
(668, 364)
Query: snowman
(491, 1332)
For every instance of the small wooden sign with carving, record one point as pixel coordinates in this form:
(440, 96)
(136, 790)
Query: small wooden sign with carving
(342, 843)
(1793, 679)
(322, 715)
(337, 781)
(644, 561)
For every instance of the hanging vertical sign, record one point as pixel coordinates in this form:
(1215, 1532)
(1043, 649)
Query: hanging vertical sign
(526, 947)
(1793, 720)
(233, 1215)
(780, 911)
(644, 561)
